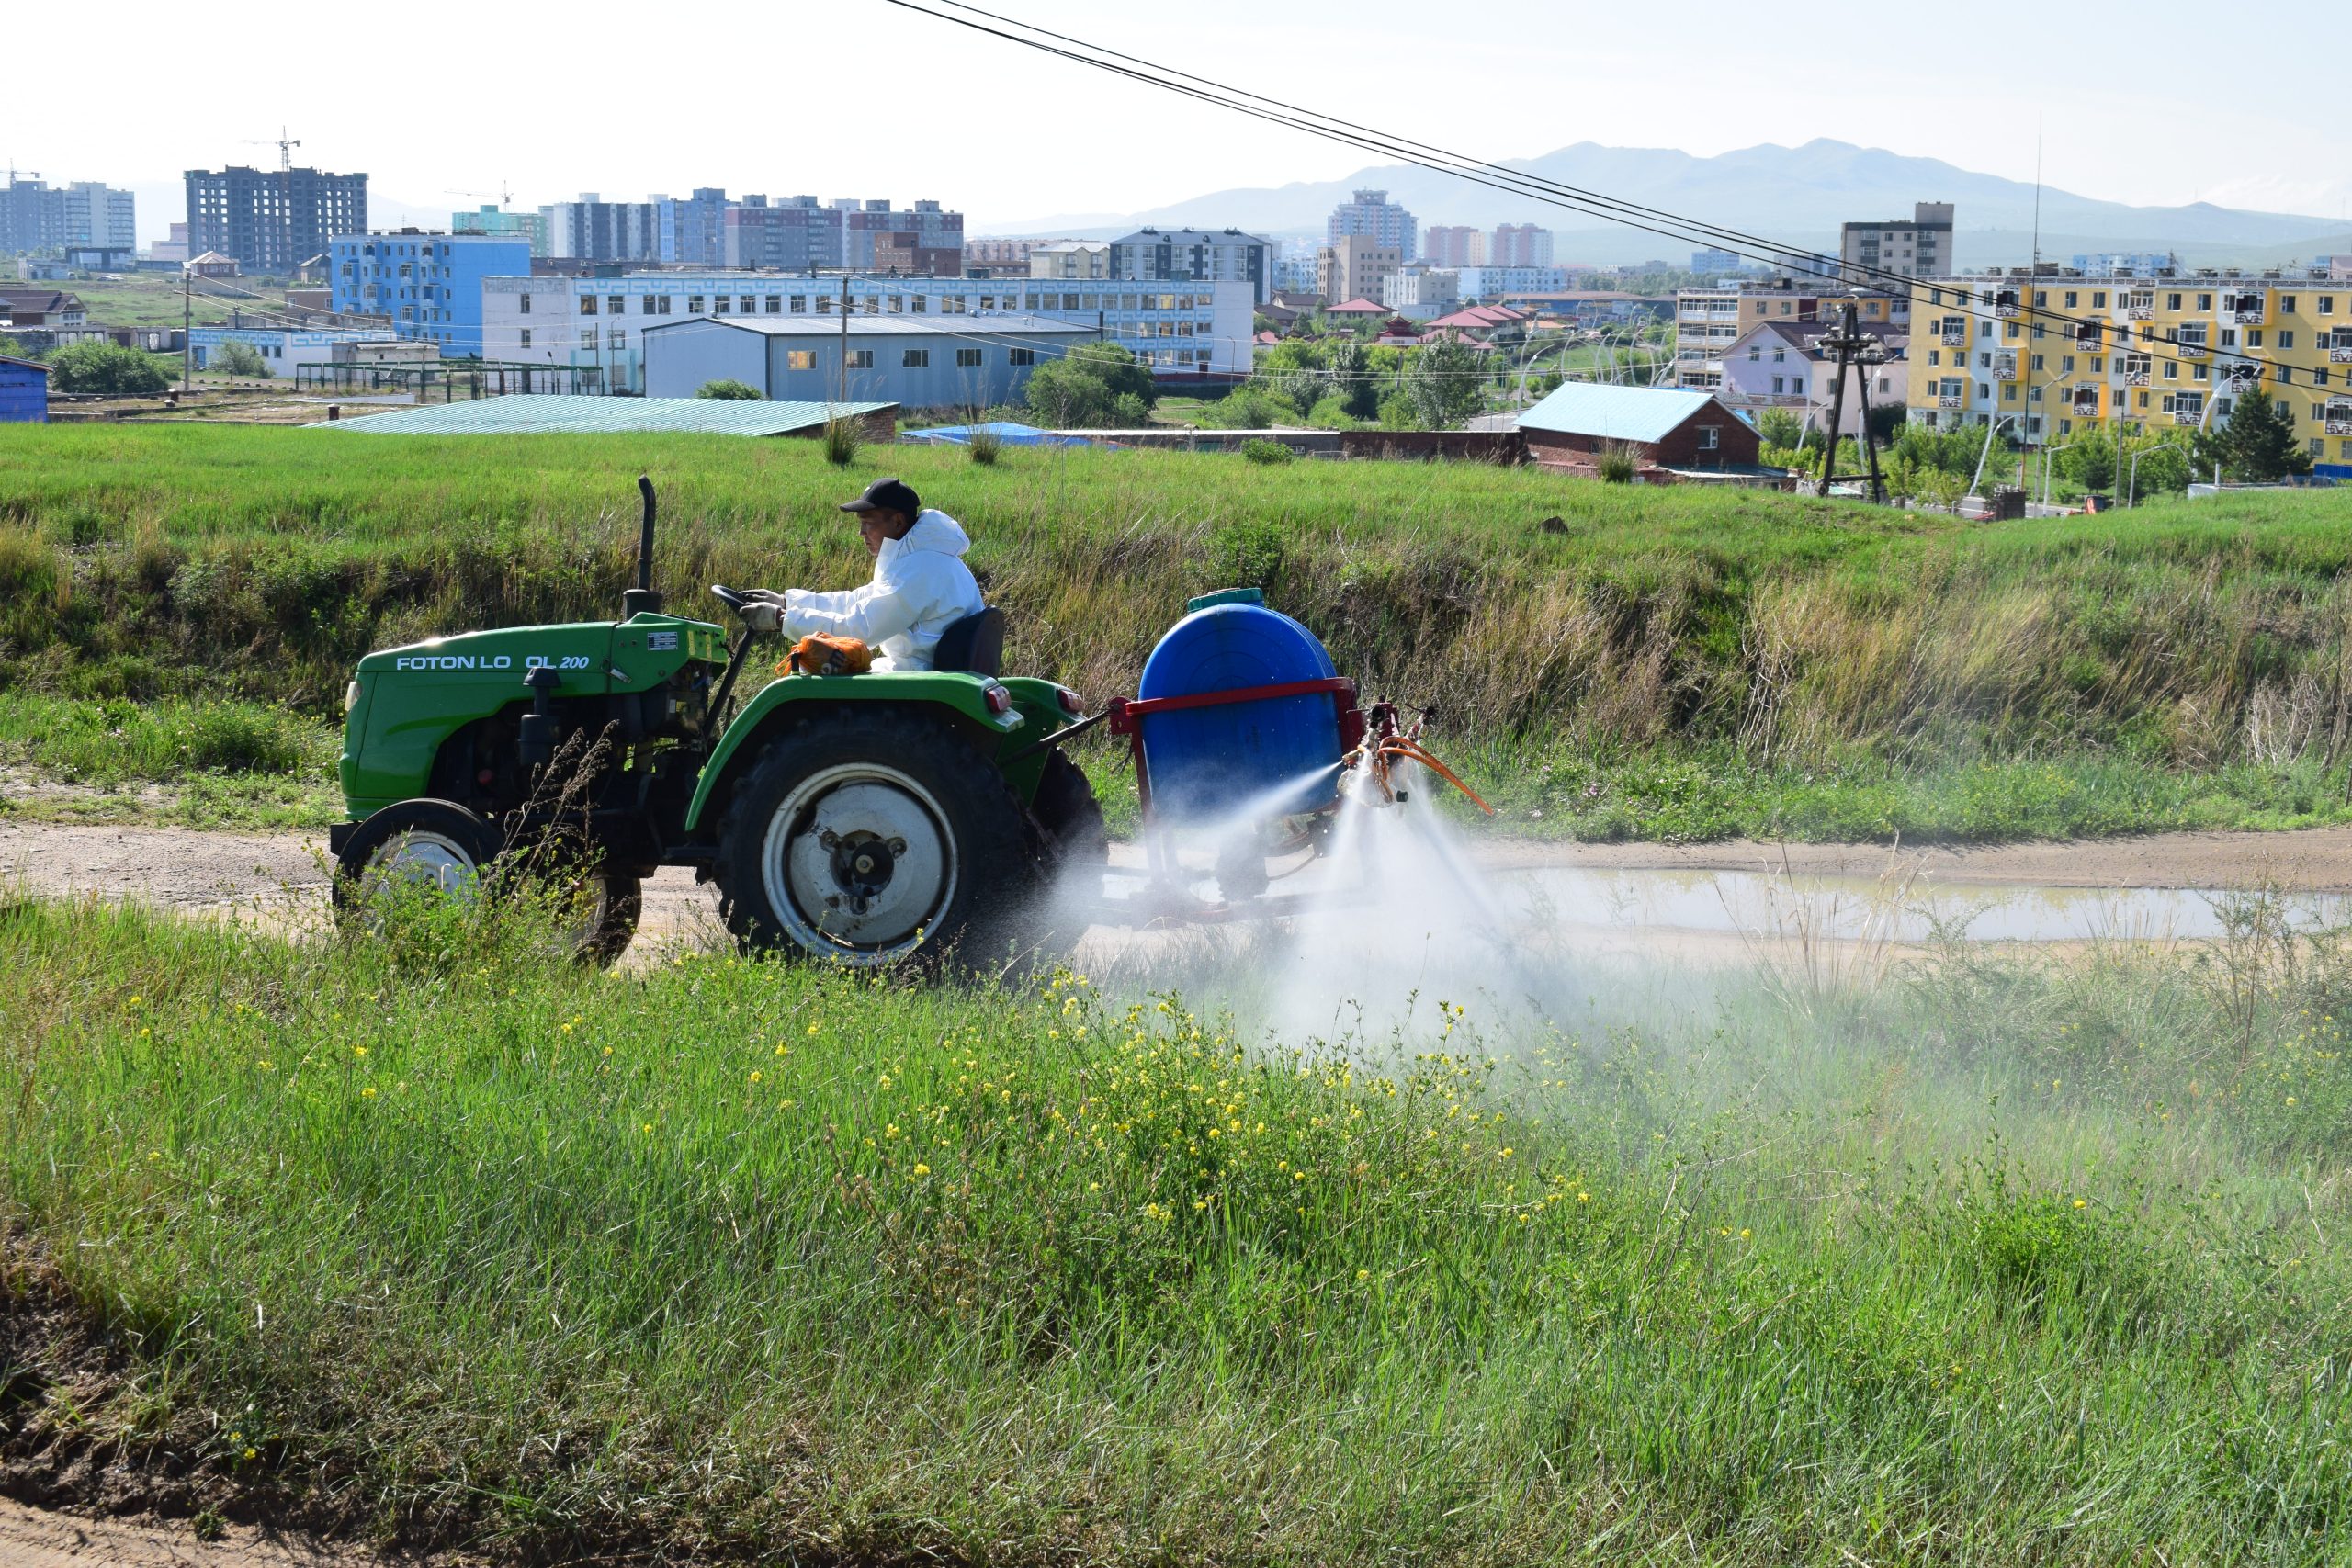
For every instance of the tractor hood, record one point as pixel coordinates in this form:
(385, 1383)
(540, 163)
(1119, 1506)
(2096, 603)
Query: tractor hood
(592, 657)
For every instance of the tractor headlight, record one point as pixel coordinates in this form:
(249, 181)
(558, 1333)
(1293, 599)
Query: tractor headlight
(350, 698)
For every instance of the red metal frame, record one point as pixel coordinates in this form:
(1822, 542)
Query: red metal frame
(1127, 713)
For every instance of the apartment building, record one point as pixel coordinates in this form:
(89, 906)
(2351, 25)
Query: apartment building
(2048, 352)
(925, 240)
(1418, 292)
(1371, 215)
(1708, 321)
(1520, 245)
(797, 234)
(1493, 282)
(272, 220)
(1453, 244)
(1078, 259)
(1355, 267)
(595, 324)
(428, 286)
(593, 229)
(691, 232)
(1196, 256)
(531, 228)
(85, 215)
(1919, 246)
(1009, 255)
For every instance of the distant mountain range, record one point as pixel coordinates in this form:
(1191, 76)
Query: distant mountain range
(1795, 196)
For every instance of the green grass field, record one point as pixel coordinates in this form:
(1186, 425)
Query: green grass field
(424, 1238)
(1623, 661)
(153, 299)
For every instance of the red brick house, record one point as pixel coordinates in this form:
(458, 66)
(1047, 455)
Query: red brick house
(1673, 436)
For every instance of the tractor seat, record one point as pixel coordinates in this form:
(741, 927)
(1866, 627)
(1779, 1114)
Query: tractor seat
(974, 645)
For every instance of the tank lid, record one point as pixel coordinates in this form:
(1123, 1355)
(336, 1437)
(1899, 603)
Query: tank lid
(1225, 596)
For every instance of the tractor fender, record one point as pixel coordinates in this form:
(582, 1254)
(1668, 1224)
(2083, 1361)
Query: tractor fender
(960, 699)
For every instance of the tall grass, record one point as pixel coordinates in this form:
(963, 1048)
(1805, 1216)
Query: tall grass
(2012, 1263)
(2181, 638)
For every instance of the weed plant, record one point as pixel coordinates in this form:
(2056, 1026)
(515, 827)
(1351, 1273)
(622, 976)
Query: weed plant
(430, 1237)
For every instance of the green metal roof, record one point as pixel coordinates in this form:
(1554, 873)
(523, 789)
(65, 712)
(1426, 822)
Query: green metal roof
(534, 413)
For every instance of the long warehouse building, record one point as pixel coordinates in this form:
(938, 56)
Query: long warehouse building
(969, 363)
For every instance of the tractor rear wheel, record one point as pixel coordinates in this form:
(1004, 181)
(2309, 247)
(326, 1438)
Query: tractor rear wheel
(868, 836)
(1066, 807)
(610, 903)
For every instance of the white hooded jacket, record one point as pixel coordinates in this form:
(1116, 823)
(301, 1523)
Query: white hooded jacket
(921, 587)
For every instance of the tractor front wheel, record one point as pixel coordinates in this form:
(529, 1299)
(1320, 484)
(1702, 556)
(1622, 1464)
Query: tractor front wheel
(436, 845)
(867, 837)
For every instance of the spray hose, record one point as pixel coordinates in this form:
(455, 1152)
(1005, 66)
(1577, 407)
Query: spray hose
(1390, 749)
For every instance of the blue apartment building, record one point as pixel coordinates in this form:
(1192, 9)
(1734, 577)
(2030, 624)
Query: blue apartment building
(427, 286)
(692, 232)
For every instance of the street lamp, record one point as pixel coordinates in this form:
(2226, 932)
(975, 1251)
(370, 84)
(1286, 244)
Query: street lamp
(2048, 453)
(2131, 496)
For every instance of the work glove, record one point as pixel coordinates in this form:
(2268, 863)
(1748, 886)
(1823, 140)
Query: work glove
(762, 616)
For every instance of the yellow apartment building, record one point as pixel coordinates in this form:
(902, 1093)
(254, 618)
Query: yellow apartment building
(2049, 351)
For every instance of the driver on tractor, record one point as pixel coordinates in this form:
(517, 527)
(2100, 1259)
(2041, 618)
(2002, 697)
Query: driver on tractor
(920, 584)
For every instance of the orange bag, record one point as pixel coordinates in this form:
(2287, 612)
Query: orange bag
(820, 654)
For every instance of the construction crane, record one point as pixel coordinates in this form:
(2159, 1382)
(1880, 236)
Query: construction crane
(284, 144)
(504, 193)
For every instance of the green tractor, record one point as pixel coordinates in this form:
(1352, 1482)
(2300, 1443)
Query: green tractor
(862, 819)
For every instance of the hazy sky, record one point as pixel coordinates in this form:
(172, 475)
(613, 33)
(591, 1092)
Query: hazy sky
(858, 97)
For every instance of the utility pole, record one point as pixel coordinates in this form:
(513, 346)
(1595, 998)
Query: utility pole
(844, 340)
(187, 325)
(1858, 352)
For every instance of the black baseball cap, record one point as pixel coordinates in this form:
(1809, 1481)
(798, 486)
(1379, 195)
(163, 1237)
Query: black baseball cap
(887, 495)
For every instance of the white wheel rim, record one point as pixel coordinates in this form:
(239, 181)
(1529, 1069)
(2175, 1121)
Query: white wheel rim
(422, 858)
(859, 864)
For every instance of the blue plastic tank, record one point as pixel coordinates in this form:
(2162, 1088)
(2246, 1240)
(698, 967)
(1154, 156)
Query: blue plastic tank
(1210, 761)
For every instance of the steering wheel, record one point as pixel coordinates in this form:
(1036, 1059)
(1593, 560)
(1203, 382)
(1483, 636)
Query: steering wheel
(728, 596)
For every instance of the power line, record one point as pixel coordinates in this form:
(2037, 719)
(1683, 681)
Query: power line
(1536, 187)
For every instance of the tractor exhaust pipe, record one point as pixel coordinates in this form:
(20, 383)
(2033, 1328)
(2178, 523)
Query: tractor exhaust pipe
(643, 600)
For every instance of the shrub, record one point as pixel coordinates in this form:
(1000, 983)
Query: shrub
(1779, 427)
(1096, 387)
(1331, 413)
(236, 358)
(729, 389)
(107, 370)
(842, 439)
(985, 446)
(1617, 465)
(1267, 452)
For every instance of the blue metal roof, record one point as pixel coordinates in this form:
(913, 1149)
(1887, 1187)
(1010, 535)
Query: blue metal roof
(1005, 430)
(1614, 413)
(531, 414)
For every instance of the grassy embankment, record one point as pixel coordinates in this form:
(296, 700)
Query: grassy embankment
(1652, 664)
(425, 1237)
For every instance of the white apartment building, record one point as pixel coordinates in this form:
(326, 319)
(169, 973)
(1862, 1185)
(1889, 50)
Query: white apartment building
(1080, 259)
(1421, 292)
(594, 325)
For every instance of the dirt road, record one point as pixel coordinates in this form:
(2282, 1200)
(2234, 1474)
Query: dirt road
(30, 1537)
(209, 873)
